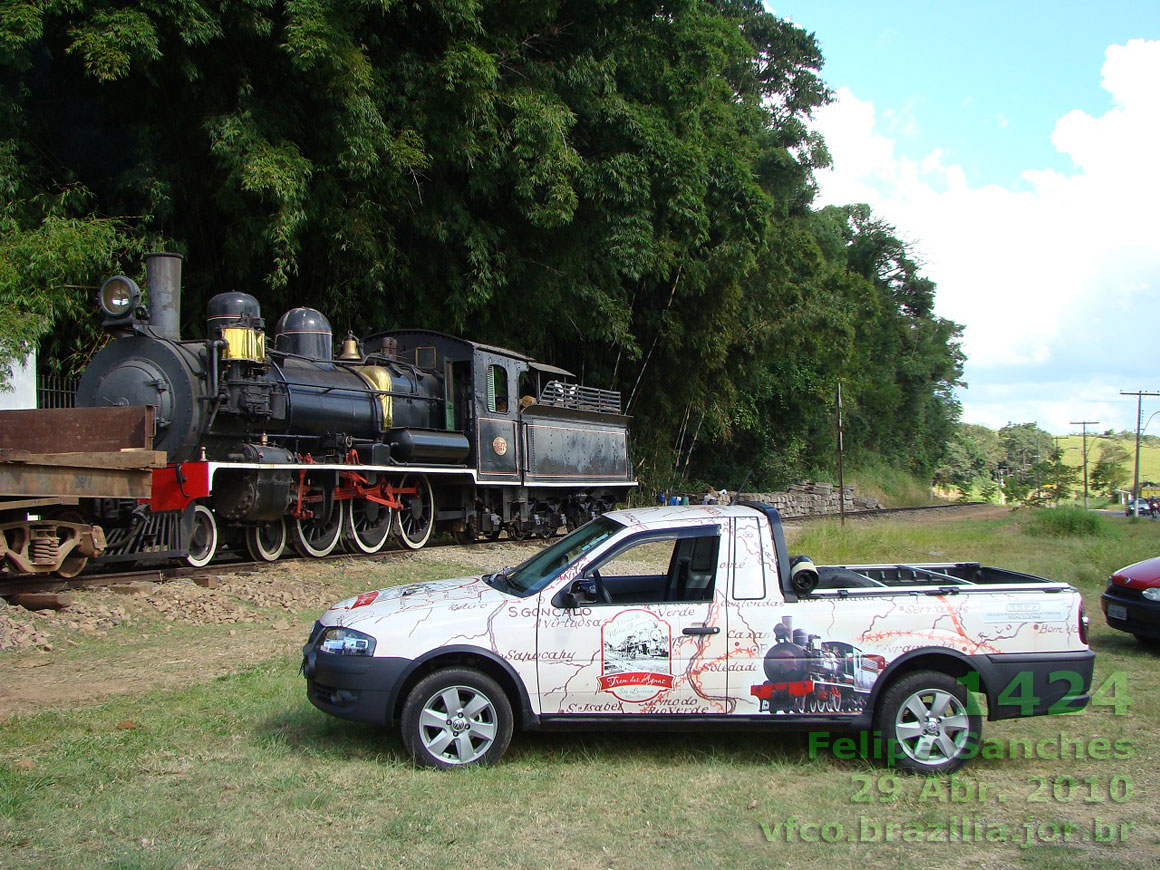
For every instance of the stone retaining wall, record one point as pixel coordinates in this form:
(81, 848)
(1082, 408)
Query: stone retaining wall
(813, 499)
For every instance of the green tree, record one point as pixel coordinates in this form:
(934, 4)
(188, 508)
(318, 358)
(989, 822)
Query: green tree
(1111, 470)
(973, 456)
(623, 189)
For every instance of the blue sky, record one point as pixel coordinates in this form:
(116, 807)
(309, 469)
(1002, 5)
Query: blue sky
(1015, 145)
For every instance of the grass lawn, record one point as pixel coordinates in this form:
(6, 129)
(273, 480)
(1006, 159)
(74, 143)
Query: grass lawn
(240, 771)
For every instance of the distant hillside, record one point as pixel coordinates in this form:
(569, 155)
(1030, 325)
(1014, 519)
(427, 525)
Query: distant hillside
(1072, 446)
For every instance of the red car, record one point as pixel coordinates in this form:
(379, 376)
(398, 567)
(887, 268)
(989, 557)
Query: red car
(1131, 602)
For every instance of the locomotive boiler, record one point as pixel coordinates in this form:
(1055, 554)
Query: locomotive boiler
(273, 438)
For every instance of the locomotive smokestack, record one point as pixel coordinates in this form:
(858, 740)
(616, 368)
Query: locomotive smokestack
(163, 280)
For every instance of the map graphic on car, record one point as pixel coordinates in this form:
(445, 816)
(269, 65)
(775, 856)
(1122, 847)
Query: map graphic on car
(636, 662)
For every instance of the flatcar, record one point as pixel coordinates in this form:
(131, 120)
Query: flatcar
(281, 442)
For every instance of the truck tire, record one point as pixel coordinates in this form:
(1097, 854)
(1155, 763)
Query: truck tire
(456, 717)
(928, 723)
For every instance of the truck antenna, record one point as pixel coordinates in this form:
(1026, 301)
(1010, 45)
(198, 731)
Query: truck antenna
(744, 480)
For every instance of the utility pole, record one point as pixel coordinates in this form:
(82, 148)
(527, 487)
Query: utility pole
(841, 477)
(1085, 424)
(1139, 394)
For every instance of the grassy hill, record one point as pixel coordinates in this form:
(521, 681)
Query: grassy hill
(1072, 446)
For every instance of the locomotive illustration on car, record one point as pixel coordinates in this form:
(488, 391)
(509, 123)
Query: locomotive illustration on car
(402, 432)
(805, 674)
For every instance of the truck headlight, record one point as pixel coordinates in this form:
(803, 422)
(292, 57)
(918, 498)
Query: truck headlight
(346, 642)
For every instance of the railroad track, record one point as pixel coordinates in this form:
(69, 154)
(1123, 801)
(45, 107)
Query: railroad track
(20, 585)
(11, 586)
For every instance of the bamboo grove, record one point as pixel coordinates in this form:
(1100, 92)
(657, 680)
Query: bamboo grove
(624, 188)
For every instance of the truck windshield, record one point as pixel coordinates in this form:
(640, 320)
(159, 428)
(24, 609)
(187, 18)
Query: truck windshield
(533, 574)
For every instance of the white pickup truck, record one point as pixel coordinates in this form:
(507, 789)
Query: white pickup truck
(693, 617)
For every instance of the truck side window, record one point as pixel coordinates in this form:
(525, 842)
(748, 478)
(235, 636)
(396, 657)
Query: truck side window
(748, 560)
(670, 569)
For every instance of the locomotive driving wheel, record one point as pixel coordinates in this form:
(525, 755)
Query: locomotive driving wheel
(317, 536)
(368, 524)
(266, 542)
(416, 519)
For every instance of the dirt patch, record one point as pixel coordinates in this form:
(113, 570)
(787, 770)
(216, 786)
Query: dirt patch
(263, 613)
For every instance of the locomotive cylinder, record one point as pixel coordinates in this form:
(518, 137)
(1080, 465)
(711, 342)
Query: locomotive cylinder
(251, 494)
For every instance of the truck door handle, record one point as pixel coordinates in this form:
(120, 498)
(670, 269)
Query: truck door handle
(702, 629)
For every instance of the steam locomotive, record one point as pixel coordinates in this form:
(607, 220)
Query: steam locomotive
(403, 432)
(805, 676)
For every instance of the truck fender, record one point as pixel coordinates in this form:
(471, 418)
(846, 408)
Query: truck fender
(455, 656)
(936, 658)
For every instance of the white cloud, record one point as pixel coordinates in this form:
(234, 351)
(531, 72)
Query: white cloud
(1057, 285)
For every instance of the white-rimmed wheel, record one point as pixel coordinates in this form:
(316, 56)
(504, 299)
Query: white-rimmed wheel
(368, 525)
(928, 722)
(203, 537)
(318, 536)
(416, 518)
(455, 717)
(266, 542)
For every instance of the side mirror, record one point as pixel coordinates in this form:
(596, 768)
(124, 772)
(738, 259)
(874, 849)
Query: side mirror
(565, 600)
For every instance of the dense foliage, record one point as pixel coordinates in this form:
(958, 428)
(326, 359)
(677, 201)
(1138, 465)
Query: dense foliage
(620, 187)
(1020, 460)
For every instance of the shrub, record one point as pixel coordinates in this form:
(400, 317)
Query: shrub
(1064, 522)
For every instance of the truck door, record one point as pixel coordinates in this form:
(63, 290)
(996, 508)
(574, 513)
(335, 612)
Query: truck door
(648, 635)
(787, 659)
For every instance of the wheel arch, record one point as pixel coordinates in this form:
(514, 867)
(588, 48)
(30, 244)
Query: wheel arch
(950, 662)
(467, 656)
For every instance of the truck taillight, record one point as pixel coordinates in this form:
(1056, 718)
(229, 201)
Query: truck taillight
(1083, 624)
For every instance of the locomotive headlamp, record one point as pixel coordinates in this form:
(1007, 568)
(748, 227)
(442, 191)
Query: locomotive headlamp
(119, 296)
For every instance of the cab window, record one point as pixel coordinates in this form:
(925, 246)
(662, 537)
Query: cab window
(497, 389)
